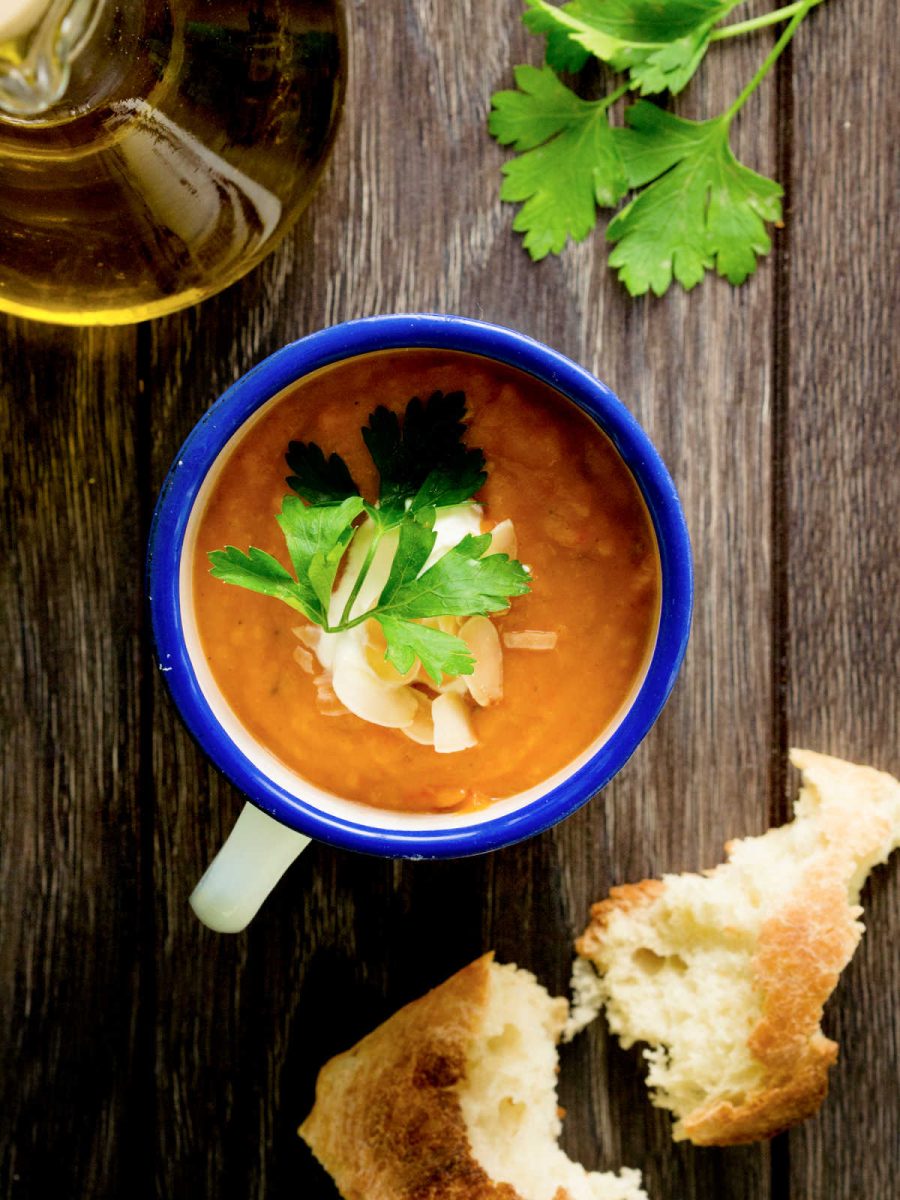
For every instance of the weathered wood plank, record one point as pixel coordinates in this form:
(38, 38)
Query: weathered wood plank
(72, 954)
(702, 774)
(843, 549)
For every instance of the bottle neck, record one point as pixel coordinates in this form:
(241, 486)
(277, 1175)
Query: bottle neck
(40, 41)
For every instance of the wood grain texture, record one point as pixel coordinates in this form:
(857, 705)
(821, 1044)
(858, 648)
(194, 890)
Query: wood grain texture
(70, 820)
(843, 537)
(144, 1055)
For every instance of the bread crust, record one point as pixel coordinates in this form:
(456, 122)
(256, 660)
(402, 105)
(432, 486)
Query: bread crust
(623, 898)
(387, 1124)
(801, 951)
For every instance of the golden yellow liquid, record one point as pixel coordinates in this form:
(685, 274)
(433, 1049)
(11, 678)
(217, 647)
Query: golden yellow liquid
(188, 141)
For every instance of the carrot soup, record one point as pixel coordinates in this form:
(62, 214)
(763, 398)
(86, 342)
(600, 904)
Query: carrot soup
(555, 664)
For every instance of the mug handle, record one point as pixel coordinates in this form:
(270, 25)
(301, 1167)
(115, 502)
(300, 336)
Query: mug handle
(254, 857)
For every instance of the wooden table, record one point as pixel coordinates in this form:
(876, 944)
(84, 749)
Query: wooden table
(145, 1056)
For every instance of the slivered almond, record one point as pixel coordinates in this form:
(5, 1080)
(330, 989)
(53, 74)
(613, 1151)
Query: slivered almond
(449, 797)
(448, 625)
(530, 639)
(376, 647)
(503, 539)
(452, 724)
(304, 659)
(485, 684)
(309, 635)
(327, 702)
(422, 728)
(444, 624)
(452, 683)
(371, 699)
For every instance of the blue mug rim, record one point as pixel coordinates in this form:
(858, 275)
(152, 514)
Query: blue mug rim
(432, 331)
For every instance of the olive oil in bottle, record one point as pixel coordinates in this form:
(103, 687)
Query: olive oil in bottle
(153, 151)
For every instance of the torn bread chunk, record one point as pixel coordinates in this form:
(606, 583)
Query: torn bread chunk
(454, 1098)
(724, 974)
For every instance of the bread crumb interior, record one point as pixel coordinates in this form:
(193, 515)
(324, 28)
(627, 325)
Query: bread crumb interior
(680, 971)
(509, 1099)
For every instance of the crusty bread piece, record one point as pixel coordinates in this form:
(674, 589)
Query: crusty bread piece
(454, 1098)
(725, 974)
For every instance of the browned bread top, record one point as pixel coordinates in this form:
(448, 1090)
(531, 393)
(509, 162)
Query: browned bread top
(387, 1123)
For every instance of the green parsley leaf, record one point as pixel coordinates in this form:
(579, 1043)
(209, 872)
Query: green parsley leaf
(317, 536)
(702, 209)
(563, 53)
(423, 462)
(318, 479)
(610, 25)
(461, 583)
(671, 67)
(413, 548)
(570, 161)
(260, 572)
(661, 44)
(439, 653)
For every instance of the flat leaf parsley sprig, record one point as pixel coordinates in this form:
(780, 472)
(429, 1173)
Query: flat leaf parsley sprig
(424, 466)
(696, 207)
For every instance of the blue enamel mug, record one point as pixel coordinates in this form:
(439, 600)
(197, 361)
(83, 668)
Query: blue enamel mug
(284, 811)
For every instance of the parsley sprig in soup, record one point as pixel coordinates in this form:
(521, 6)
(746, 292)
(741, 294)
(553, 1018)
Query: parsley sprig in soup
(402, 637)
(429, 669)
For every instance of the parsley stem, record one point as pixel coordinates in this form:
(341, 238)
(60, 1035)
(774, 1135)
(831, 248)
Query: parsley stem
(769, 61)
(354, 621)
(609, 101)
(754, 23)
(360, 580)
(343, 626)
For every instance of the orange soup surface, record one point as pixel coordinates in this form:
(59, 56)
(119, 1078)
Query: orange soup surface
(582, 528)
